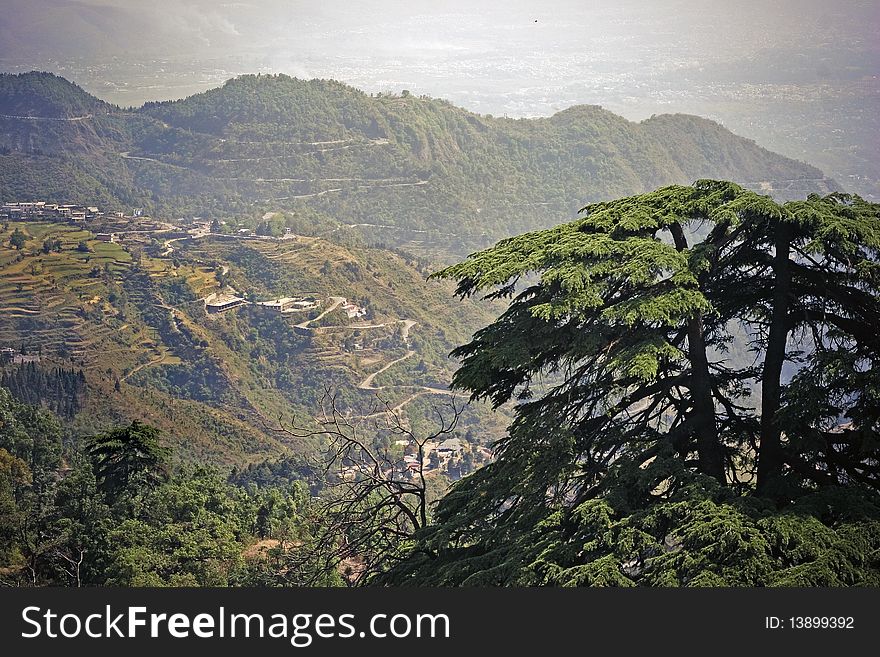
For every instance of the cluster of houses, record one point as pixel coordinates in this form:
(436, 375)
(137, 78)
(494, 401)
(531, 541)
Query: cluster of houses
(225, 302)
(8, 356)
(446, 450)
(67, 212)
(41, 210)
(439, 457)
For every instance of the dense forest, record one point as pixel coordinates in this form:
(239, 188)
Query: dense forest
(60, 390)
(109, 511)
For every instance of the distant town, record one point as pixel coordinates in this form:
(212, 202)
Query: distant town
(41, 211)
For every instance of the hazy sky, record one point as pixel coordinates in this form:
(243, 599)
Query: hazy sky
(312, 38)
(800, 76)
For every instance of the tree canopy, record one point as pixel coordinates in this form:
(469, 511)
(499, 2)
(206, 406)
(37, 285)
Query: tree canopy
(697, 357)
(70, 520)
(127, 454)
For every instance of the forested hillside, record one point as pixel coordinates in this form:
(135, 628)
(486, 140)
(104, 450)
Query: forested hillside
(396, 169)
(112, 332)
(110, 511)
(46, 96)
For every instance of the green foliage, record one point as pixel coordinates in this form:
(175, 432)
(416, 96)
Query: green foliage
(45, 95)
(52, 244)
(614, 349)
(106, 520)
(61, 390)
(29, 434)
(18, 239)
(700, 538)
(126, 456)
(189, 533)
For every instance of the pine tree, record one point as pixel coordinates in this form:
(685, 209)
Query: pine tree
(126, 455)
(632, 344)
(18, 239)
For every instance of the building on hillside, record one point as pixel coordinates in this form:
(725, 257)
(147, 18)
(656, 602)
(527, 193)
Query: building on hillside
(106, 237)
(290, 304)
(306, 303)
(281, 305)
(352, 310)
(223, 303)
(450, 446)
(11, 211)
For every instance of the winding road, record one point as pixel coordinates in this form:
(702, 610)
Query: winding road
(332, 146)
(46, 118)
(367, 383)
(337, 301)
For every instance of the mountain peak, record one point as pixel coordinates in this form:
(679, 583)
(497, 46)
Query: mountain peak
(42, 95)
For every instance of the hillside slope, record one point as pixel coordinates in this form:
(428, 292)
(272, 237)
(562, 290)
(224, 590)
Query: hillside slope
(395, 169)
(132, 318)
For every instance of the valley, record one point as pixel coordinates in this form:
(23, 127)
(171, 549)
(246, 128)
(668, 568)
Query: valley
(141, 315)
(474, 295)
(217, 264)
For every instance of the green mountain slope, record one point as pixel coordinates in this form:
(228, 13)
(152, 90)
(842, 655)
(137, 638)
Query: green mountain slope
(396, 169)
(46, 96)
(132, 317)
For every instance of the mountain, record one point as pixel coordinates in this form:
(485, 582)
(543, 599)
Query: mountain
(46, 96)
(350, 196)
(398, 169)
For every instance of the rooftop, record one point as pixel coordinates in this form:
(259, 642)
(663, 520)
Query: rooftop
(223, 300)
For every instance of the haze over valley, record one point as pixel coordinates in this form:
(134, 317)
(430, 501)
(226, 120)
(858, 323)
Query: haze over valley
(439, 293)
(799, 77)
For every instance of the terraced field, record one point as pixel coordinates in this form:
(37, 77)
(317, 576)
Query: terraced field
(51, 301)
(133, 319)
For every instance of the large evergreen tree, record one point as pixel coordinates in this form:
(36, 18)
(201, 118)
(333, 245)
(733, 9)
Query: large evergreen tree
(126, 455)
(686, 365)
